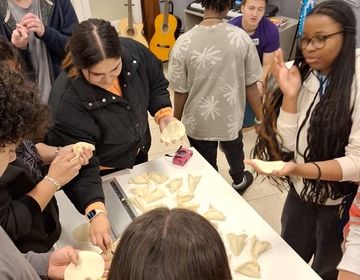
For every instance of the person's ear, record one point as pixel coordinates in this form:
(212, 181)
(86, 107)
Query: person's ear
(242, 8)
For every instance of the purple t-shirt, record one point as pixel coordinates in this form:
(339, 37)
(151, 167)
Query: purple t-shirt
(266, 36)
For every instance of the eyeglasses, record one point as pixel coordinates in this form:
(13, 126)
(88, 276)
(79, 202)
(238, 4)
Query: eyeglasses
(317, 41)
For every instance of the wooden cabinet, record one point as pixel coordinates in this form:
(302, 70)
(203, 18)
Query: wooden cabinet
(150, 9)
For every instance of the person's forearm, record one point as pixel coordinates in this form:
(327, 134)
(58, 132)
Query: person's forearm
(347, 275)
(330, 170)
(179, 103)
(253, 98)
(43, 192)
(46, 152)
(289, 104)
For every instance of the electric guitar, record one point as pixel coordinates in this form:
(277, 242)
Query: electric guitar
(164, 36)
(127, 27)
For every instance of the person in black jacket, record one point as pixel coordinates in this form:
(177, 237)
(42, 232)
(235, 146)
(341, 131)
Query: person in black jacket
(103, 97)
(40, 30)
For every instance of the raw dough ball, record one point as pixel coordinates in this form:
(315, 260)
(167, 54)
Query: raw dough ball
(91, 266)
(78, 148)
(269, 166)
(174, 130)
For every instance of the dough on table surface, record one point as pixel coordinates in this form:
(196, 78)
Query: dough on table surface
(214, 214)
(250, 269)
(154, 195)
(268, 166)
(193, 181)
(174, 130)
(175, 184)
(157, 177)
(258, 247)
(91, 266)
(191, 205)
(139, 180)
(141, 191)
(138, 202)
(81, 233)
(236, 242)
(182, 197)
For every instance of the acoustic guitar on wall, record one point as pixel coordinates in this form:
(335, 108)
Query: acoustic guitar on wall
(127, 27)
(164, 36)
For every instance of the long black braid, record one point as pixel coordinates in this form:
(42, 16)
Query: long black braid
(330, 121)
(217, 5)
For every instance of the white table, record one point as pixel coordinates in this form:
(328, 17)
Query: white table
(280, 262)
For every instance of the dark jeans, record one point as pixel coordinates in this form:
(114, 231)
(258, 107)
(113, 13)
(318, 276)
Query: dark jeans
(312, 229)
(233, 151)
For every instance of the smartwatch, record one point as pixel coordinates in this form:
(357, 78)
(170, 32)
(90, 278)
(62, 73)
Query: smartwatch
(93, 213)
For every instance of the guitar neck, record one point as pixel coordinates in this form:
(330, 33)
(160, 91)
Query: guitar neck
(130, 15)
(166, 13)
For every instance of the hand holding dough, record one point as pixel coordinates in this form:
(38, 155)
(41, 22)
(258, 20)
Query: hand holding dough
(250, 269)
(91, 266)
(173, 131)
(193, 181)
(214, 214)
(268, 167)
(79, 146)
(258, 247)
(236, 242)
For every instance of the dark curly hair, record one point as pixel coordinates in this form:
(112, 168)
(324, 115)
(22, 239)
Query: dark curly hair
(22, 115)
(217, 5)
(330, 121)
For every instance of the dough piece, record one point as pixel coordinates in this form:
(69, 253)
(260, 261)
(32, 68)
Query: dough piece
(142, 191)
(114, 245)
(191, 205)
(139, 180)
(154, 195)
(174, 130)
(214, 214)
(215, 225)
(236, 242)
(156, 177)
(175, 184)
(81, 233)
(78, 148)
(183, 197)
(91, 266)
(268, 166)
(193, 181)
(138, 203)
(258, 247)
(250, 269)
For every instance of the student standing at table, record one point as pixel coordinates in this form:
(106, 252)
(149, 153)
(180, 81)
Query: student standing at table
(319, 122)
(265, 36)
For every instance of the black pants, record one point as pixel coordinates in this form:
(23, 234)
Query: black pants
(311, 229)
(233, 151)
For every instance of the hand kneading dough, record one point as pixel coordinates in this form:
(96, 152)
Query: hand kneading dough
(250, 269)
(258, 247)
(175, 184)
(174, 130)
(81, 233)
(91, 266)
(139, 180)
(236, 242)
(78, 148)
(156, 177)
(214, 214)
(269, 166)
(193, 181)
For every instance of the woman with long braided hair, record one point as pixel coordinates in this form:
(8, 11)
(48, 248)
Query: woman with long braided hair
(317, 120)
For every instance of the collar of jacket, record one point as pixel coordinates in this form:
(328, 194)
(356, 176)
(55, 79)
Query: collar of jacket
(46, 8)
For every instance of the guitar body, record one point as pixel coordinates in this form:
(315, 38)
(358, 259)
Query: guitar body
(135, 32)
(164, 38)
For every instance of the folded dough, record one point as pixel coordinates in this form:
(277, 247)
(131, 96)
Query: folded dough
(258, 247)
(250, 269)
(174, 130)
(268, 166)
(193, 181)
(138, 202)
(139, 180)
(175, 184)
(183, 197)
(236, 242)
(91, 266)
(156, 177)
(214, 214)
(154, 195)
(192, 205)
(141, 191)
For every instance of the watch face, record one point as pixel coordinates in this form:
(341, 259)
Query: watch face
(91, 214)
